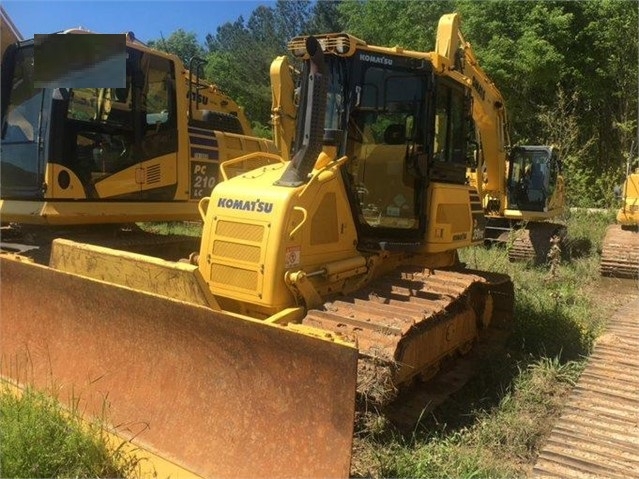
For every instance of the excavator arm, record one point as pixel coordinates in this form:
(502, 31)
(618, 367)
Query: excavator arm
(284, 110)
(489, 112)
(515, 184)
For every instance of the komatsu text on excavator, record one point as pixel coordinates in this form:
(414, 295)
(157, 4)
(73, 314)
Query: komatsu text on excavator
(521, 187)
(335, 261)
(145, 152)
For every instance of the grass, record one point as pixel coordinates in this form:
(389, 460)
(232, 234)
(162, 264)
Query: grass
(42, 439)
(185, 228)
(495, 426)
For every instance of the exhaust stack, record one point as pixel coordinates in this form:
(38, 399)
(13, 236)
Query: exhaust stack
(314, 110)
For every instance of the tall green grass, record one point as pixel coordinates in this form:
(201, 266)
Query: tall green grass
(39, 438)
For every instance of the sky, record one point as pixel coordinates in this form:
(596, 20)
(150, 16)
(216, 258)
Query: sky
(148, 19)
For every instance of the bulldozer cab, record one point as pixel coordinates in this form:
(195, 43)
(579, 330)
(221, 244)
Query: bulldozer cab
(381, 112)
(532, 177)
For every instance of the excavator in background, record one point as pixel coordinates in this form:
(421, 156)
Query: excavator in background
(521, 187)
(332, 266)
(73, 158)
(620, 247)
(146, 152)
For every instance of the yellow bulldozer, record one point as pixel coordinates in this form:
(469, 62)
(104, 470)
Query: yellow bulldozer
(521, 187)
(329, 271)
(620, 248)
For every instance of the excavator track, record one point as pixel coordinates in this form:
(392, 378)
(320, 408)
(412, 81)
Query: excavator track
(597, 433)
(406, 323)
(532, 243)
(620, 252)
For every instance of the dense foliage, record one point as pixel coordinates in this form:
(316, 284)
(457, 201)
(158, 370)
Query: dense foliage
(568, 70)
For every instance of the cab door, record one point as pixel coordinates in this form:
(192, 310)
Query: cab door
(23, 126)
(144, 166)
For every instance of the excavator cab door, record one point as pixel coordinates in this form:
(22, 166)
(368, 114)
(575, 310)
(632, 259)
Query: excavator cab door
(122, 142)
(23, 126)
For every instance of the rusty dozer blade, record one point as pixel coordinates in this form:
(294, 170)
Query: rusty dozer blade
(220, 395)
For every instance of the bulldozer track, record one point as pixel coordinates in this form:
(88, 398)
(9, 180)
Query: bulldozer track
(620, 253)
(598, 432)
(405, 324)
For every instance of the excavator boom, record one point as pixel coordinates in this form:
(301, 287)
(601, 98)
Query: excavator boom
(521, 187)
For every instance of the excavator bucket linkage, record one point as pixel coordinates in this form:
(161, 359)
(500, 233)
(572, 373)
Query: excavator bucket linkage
(218, 394)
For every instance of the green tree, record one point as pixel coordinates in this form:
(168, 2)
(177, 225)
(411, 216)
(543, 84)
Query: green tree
(326, 18)
(182, 44)
(409, 24)
(239, 61)
(240, 53)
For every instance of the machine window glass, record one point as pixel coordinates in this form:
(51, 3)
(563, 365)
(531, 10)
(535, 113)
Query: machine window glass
(22, 168)
(158, 104)
(99, 133)
(457, 141)
(159, 89)
(25, 102)
(441, 123)
(450, 137)
(380, 128)
(530, 183)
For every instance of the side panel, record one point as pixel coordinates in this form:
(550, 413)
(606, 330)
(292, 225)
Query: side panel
(220, 395)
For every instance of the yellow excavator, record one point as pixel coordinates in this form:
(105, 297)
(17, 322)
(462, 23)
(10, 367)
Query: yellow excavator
(331, 268)
(146, 152)
(521, 187)
(620, 248)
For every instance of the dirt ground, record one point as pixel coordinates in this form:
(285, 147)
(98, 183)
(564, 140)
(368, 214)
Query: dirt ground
(616, 292)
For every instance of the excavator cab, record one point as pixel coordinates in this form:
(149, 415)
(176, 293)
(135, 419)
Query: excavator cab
(532, 177)
(66, 142)
(82, 148)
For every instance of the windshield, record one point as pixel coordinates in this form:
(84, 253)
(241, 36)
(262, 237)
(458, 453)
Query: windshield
(386, 131)
(23, 111)
(22, 170)
(532, 179)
